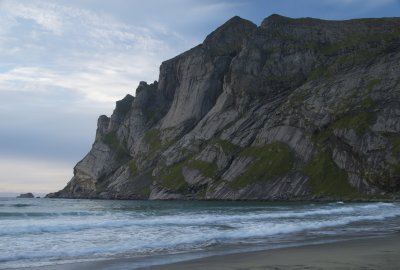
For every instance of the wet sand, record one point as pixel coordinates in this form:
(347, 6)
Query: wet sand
(372, 253)
(377, 253)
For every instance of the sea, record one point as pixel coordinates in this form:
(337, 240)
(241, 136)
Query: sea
(39, 232)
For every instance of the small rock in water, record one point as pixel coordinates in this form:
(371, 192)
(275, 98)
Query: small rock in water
(26, 195)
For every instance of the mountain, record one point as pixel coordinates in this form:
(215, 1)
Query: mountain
(291, 109)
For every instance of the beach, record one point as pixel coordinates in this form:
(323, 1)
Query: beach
(87, 234)
(373, 253)
(377, 253)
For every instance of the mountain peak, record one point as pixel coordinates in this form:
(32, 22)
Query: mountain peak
(235, 20)
(274, 20)
(229, 37)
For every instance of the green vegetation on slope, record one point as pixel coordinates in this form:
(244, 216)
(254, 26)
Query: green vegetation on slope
(357, 57)
(297, 97)
(353, 41)
(359, 121)
(227, 146)
(326, 178)
(207, 169)
(360, 118)
(173, 178)
(132, 168)
(151, 115)
(371, 84)
(113, 142)
(319, 72)
(271, 160)
(152, 138)
(395, 146)
(349, 115)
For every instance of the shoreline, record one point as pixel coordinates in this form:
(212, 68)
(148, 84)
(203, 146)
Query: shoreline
(379, 252)
(294, 200)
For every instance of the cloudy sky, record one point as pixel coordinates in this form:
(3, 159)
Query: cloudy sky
(65, 62)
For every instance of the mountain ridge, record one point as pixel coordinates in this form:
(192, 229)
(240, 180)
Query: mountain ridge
(293, 109)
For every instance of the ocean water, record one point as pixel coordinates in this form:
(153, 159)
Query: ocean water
(36, 232)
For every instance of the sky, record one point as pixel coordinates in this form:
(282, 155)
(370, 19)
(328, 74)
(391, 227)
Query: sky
(65, 62)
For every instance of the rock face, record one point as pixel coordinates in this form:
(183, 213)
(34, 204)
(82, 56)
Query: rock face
(291, 109)
(26, 195)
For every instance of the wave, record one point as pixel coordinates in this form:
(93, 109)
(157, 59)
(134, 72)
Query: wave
(47, 214)
(189, 220)
(18, 205)
(194, 240)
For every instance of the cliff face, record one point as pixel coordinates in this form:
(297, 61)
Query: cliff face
(292, 109)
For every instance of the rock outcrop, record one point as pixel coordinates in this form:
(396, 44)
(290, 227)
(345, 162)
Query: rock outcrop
(291, 109)
(26, 195)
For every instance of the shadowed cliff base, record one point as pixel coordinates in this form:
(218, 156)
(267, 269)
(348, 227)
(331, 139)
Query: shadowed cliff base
(293, 109)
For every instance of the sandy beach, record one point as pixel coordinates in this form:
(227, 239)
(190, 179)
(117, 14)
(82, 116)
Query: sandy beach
(372, 253)
(379, 253)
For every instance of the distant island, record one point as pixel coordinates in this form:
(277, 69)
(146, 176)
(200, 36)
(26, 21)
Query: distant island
(293, 109)
(26, 195)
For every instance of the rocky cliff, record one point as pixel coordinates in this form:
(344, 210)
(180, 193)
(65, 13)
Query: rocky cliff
(291, 109)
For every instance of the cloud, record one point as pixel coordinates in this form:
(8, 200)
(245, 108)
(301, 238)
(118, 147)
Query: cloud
(77, 49)
(49, 20)
(96, 83)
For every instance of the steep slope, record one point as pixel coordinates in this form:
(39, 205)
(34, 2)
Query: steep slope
(292, 109)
